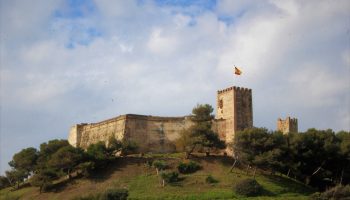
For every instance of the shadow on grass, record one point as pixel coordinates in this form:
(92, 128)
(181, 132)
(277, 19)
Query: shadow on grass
(290, 185)
(178, 183)
(62, 185)
(266, 192)
(100, 175)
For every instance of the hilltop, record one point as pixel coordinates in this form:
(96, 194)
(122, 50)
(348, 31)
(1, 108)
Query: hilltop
(142, 182)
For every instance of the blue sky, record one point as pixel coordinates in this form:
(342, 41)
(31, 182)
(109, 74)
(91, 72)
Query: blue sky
(67, 62)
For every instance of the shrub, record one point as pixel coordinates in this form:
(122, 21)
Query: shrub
(115, 194)
(186, 168)
(160, 164)
(170, 177)
(337, 192)
(248, 187)
(211, 179)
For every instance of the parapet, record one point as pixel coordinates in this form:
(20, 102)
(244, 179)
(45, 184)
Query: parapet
(235, 88)
(154, 118)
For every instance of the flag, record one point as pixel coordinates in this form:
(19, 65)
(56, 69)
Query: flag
(237, 71)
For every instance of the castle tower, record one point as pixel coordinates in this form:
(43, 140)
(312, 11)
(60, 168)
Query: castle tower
(235, 106)
(288, 125)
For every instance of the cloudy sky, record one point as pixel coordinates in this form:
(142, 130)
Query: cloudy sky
(71, 61)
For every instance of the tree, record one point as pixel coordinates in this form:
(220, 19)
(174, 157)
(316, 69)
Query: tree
(123, 147)
(273, 153)
(23, 164)
(43, 179)
(249, 144)
(4, 182)
(99, 154)
(15, 177)
(25, 160)
(66, 159)
(200, 133)
(316, 153)
(47, 150)
(344, 138)
(128, 147)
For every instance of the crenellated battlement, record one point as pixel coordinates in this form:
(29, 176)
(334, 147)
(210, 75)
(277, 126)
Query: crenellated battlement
(234, 88)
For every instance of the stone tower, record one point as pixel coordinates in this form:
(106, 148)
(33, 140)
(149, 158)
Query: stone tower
(235, 106)
(288, 125)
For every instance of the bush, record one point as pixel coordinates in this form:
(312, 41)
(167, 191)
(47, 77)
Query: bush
(160, 164)
(170, 177)
(211, 179)
(337, 192)
(186, 168)
(248, 187)
(115, 194)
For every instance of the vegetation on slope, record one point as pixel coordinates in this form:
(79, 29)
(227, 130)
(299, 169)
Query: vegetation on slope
(142, 182)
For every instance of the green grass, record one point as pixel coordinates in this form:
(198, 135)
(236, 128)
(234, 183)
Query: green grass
(8, 194)
(143, 183)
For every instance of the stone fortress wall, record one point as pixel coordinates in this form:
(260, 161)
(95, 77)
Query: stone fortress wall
(158, 134)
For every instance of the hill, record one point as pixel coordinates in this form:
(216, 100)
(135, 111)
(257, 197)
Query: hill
(142, 182)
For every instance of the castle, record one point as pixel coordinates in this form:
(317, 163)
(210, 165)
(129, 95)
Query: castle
(158, 134)
(234, 112)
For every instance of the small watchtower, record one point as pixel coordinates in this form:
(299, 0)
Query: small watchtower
(288, 125)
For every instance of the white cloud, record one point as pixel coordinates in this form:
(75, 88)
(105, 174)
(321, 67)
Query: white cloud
(161, 44)
(317, 85)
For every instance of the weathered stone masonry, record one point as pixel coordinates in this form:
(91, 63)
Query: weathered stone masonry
(289, 125)
(158, 134)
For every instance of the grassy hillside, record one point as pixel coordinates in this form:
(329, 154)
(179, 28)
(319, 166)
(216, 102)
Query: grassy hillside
(143, 183)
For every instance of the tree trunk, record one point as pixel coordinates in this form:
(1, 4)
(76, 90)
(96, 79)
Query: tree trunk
(254, 172)
(233, 165)
(307, 180)
(163, 183)
(69, 174)
(190, 152)
(41, 188)
(157, 171)
(188, 155)
(288, 172)
(247, 169)
(207, 153)
(341, 177)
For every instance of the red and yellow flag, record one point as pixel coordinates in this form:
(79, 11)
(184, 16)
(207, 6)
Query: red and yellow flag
(237, 71)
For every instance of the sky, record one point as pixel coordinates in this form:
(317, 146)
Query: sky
(65, 62)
